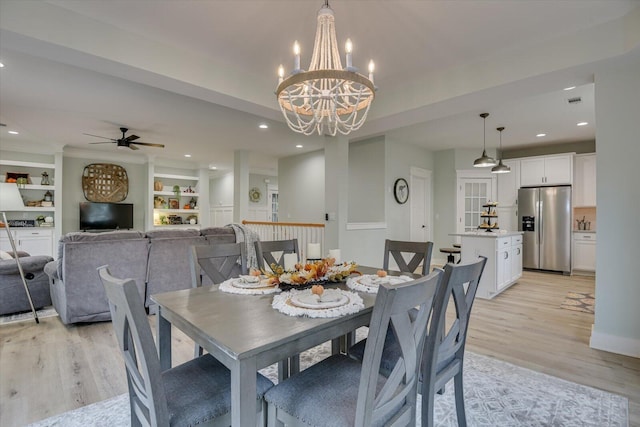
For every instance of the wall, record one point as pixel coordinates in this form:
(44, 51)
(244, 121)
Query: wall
(542, 150)
(258, 181)
(73, 195)
(301, 188)
(366, 182)
(221, 190)
(617, 318)
(444, 200)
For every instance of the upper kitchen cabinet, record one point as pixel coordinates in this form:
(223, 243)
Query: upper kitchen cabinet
(508, 184)
(584, 188)
(546, 170)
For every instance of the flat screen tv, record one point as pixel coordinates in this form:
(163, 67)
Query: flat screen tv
(105, 216)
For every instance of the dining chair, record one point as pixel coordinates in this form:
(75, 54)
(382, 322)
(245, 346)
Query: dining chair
(340, 391)
(265, 251)
(420, 253)
(443, 352)
(196, 392)
(219, 261)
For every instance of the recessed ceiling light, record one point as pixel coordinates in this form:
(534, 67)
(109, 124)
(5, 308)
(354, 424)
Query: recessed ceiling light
(187, 155)
(1, 65)
(569, 88)
(263, 126)
(582, 124)
(299, 146)
(13, 132)
(213, 167)
(540, 135)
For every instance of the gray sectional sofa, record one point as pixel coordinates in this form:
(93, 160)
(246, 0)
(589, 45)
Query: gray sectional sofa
(13, 297)
(157, 260)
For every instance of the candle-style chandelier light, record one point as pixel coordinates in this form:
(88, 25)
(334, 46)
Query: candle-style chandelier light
(326, 98)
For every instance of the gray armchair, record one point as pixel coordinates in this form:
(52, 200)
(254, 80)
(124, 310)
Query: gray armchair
(13, 298)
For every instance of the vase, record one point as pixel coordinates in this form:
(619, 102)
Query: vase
(157, 186)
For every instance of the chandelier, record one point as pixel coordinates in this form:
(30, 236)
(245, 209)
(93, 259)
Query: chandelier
(327, 98)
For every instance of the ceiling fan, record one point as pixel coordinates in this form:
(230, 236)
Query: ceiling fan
(125, 141)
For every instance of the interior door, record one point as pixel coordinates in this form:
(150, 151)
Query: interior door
(472, 194)
(420, 203)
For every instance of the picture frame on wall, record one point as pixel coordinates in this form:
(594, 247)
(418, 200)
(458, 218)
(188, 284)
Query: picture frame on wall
(174, 203)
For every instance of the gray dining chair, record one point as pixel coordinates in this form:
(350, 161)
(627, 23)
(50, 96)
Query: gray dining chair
(340, 391)
(219, 261)
(443, 352)
(196, 392)
(420, 253)
(266, 251)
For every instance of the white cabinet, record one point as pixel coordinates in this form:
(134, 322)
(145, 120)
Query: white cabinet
(504, 260)
(584, 251)
(508, 184)
(584, 182)
(546, 170)
(34, 240)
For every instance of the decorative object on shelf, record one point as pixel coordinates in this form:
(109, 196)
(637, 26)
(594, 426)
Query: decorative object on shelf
(401, 191)
(16, 178)
(10, 200)
(192, 219)
(193, 203)
(157, 186)
(176, 190)
(45, 179)
(500, 167)
(22, 182)
(484, 161)
(105, 182)
(489, 215)
(174, 219)
(22, 222)
(174, 203)
(327, 98)
(189, 190)
(48, 196)
(255, 195)
(40, 219)
(159, 202)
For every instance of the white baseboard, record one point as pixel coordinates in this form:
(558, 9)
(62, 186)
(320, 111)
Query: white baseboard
(615, 344)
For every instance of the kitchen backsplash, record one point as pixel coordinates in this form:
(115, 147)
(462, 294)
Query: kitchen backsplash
(588, 214)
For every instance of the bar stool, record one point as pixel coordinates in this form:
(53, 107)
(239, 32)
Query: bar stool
(451, 253)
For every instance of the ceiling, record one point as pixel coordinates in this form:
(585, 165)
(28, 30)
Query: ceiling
(199, 75)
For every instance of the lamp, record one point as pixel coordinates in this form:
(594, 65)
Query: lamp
(10, 200)
(484, 161)
(500, 168)
(327, 98)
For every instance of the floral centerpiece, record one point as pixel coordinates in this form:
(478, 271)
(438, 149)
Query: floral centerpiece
(324, 270)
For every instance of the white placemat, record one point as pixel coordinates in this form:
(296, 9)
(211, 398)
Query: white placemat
(243, 289)
(369, 282)
(283, 304)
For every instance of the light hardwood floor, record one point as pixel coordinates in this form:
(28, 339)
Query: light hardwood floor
(48, 368)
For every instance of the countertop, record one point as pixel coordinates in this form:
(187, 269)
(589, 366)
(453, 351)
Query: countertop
(492, 234)
(584, 231)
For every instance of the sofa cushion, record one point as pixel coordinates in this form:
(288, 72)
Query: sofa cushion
(5, 255)
(219, 234)
(81, 236)
(172, 233)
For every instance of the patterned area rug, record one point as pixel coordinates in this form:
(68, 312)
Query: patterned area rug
(496, 394)
(26, 316)
(579, 301)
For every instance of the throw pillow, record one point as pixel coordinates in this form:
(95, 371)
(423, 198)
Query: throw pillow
(5, 255)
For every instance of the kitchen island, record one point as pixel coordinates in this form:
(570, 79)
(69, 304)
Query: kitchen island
(503, 251)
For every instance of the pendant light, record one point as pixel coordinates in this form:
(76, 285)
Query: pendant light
(484, 161)
(501, 168)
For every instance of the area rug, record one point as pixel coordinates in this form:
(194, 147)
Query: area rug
(496, 394)
(26, 316)
(579, 301)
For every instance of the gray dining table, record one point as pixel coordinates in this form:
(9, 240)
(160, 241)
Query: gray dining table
(246, 334)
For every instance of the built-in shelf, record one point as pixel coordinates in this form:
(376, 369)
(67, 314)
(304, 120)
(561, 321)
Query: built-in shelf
(27, 164)
(171, 193)
(170, 176)
(178, 211)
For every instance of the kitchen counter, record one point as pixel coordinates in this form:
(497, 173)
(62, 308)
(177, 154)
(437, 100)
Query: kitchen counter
(493, 234)
(584, 231)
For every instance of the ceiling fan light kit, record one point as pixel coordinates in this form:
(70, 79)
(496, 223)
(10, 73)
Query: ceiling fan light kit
(327, 98)
(484, 161)
(125, 141)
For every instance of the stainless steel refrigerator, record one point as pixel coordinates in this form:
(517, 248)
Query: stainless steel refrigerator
(545, 218)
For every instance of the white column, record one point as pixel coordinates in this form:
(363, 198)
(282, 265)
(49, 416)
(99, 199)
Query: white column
(336, 189)
(240, 185)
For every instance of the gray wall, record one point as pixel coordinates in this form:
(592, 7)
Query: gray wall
(73, 195)
(444, 200)
(617, 318)
(301, 188)
(366, 181)
(221, 190)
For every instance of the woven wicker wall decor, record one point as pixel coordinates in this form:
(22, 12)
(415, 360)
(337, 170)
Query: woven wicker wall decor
(105, 182)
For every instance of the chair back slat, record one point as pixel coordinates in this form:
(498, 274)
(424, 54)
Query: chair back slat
(266, 252)
(219, 261)
(146, 393)
(393, 304)
(419, 252)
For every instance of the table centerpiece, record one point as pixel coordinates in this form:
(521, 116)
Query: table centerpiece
(310, 273)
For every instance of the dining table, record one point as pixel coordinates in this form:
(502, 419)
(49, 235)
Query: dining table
(245, 333)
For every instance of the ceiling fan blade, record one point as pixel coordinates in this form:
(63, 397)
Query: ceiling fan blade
(133, 147)
(98, 136)
(104, 142)
(149, 144)
(131, 138)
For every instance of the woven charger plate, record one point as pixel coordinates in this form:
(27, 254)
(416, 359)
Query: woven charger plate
(105, 182)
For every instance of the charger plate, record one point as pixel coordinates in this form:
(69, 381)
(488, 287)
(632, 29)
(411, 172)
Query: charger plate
(294, 303)
(370, 282)
(237, 286)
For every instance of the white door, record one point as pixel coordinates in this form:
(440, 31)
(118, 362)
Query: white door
(420, 205)
(473, 193)
(272, 201)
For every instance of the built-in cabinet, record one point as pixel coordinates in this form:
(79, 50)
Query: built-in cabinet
(584, 251)
(546, 170)
(508, 185)
(584, 184)
(504, 259)
(28, 236)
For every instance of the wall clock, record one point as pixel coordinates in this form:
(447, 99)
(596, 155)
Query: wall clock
(254, 195)
(401, 191)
